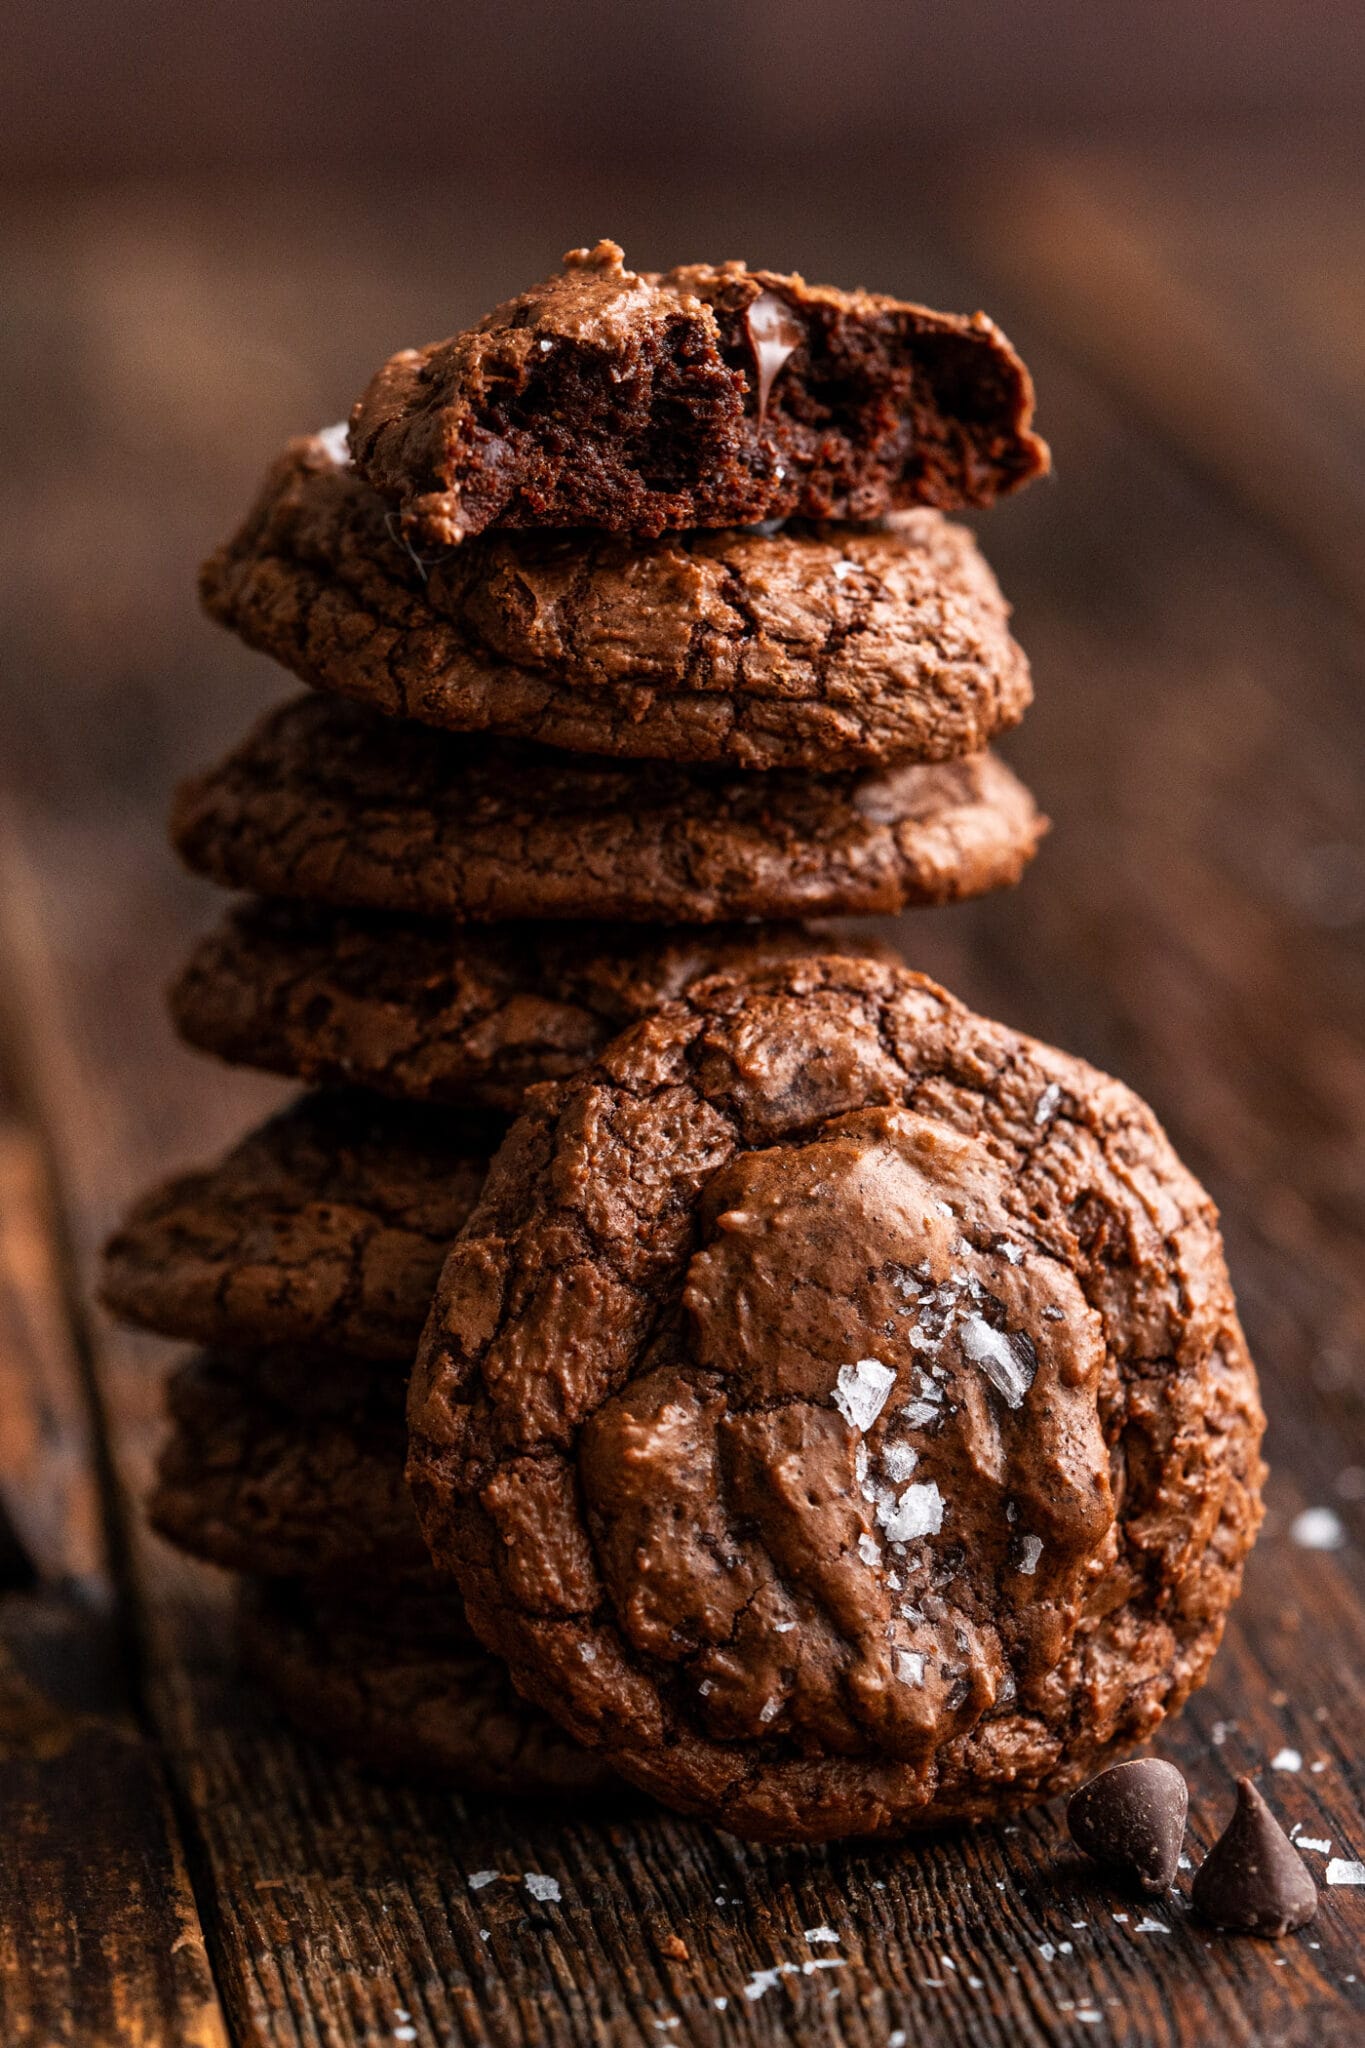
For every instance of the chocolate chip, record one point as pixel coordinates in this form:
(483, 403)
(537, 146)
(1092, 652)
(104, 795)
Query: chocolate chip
(1131, 1820)
(1253, 1880)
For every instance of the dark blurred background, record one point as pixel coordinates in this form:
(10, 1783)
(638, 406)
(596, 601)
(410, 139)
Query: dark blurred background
(526, 92)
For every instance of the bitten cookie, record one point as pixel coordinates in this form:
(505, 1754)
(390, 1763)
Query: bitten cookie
(407, 1695)
(835, 1410)
(819, 647)
(439, 1013)
(291, 1466)
(330, 803)
(325, 1228)
(708, 396)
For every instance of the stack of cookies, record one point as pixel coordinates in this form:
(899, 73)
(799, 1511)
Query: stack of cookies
(639, 639)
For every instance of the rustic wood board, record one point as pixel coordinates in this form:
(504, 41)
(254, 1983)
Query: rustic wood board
(1193, 924)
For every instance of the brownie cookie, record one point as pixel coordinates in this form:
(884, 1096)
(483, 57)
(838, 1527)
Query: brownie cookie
(441, 1013)
(265, 1474)
(326, 1228)
(417, 1697)
(335, 804)
(708, 396)
(835, 1410)
(823, 647)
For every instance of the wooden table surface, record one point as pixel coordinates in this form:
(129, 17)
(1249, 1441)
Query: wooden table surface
(1191, 587)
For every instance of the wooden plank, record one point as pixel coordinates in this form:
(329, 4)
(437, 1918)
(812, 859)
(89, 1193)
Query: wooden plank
(100, 1943)
(1196, 736)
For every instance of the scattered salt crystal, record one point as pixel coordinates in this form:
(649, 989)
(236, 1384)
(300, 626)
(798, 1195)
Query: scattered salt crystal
(814, 1934)
(1008, 1363)
(900, 1461)
(1120, 1917)
(860, 1463)
(405, 2033)
(918, 1414)
(1147, 1925)
(1046, 1951)
(919, 1512)
(1046, 1105)
(1011, 1251)
(588, 1652)
(860, 1392)
(764, 1980)
(1320, 1843)
(909, 1667)
(1032, 1549)
(782, 1628)
(1286, 1760)
(720, 2003)
(480, 1878)
(869, 1550)
(844, 569)
(769, 1711)
(1220, 1732)
(542, 1887)
(334, 445)
(544, 347)
(1319, 1766)
(1341, 1871)
(1318, 1529)
(897, 2038)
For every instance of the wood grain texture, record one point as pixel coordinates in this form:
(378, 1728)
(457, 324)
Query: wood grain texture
(100, 1943)
(1193, 924)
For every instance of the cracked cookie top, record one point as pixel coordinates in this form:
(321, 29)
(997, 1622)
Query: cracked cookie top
(280, 1465)
(816, 647)
(435, 1012)
(706, 396)
(835, 1409)
(331, 803)
(325, 1228)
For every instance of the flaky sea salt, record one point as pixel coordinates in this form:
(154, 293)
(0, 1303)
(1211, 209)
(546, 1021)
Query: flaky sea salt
(860, 1392)
(919, 1512)
(1031, 1549)
(899, 1461)
(1046, 1105)
(1342, 1871)
(909, 1667)
(1007, 1362)
(480, 1878)
(540, 1887)
(334, 444)
(1286, 1760)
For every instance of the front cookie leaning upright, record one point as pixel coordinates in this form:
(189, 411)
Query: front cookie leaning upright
(835, 1409)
